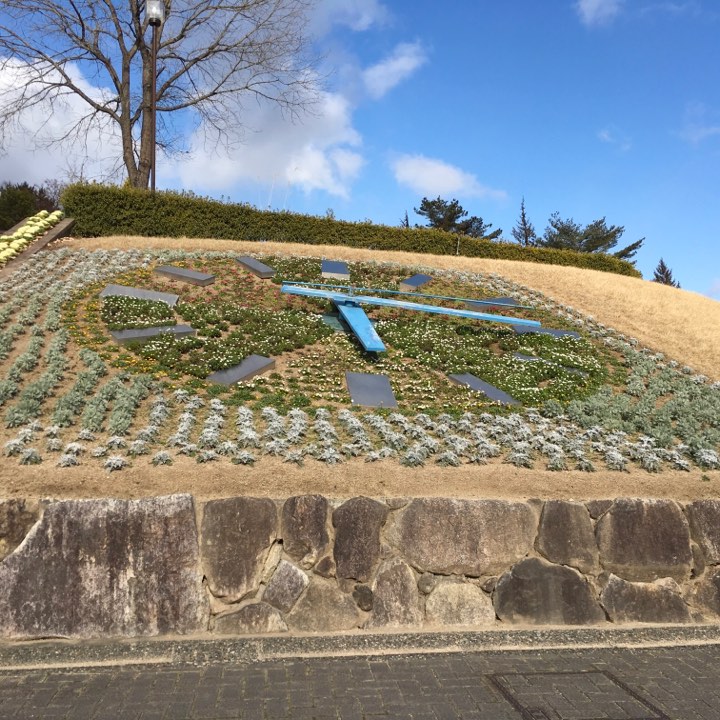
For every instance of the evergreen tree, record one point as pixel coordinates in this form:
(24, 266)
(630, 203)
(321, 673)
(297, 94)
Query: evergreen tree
(594, 237)
(405, 222)
(452, 217)
(524, 232)
(664, 275)
(20, 200)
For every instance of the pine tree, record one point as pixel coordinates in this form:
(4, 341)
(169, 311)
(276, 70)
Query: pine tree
(524, 232)
(597, 237)
(452, 217)
(663, 274)
(405, 222)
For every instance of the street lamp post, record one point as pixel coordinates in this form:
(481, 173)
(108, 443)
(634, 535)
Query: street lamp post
(155, 12)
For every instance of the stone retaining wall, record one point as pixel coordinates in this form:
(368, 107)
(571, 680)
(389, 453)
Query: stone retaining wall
(168, 565)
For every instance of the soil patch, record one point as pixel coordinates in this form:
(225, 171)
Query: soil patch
(271, 477)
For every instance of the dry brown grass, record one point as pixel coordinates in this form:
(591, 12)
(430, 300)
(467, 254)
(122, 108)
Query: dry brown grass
(682, 324)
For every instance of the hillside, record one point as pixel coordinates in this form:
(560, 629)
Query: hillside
(73, 413)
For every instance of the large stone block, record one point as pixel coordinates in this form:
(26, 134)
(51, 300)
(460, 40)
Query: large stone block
(395, 596)
(324, 608)
(16, 519)
(644, 540)
(251, 619)
(236, 537)
(285, 586)
(655, 602)
(463, 537)
(357, 537)
(566, 535)
(705, 594)
(539, 593)
(304, 528)
(458, 603)
(106, 568)
(704, 516)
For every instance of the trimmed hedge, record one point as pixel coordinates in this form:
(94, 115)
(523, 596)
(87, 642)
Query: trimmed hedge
(110, 210)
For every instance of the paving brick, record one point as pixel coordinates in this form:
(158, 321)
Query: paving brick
(681, 683)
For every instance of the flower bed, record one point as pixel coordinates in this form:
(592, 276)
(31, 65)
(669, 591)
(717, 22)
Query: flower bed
(239, 316)
(34, 227)
(600, 401)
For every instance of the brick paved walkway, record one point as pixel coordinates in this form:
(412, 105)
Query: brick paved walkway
(590, 684)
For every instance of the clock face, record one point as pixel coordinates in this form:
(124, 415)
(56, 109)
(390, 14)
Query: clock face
(240, 315)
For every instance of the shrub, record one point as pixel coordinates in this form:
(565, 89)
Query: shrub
(110, 210)
(19, 200)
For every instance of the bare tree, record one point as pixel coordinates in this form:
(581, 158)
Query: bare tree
(213, 55)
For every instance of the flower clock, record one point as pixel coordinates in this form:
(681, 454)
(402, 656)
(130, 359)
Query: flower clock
(241, 315)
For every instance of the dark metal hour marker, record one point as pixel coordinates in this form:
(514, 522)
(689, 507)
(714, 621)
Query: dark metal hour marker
(184, 275)
(248, 368)
(140, 335)
(139, 294)
(256, 267)
(335, 270)
(475, 383)
(370, 390)
(411, 284)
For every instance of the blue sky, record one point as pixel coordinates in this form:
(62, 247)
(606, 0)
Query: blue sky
(592, 108)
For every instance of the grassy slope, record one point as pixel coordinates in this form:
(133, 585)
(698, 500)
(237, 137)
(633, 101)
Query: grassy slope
(683, 325)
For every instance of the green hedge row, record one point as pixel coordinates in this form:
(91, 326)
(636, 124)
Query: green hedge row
(110, 210)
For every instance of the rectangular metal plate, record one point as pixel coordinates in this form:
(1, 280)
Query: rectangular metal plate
(139, 335)
(492, 302)
(184, 275)
(256, 267)
(411, 284)
(248, 368)
(139, 293)
(493, 393)
(592, 695)
(524, 329)
(370, 390)
(335, 269)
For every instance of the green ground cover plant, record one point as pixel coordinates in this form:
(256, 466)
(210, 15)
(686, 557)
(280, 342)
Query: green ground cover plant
(240, 315)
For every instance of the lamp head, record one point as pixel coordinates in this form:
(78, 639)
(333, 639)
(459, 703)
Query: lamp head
(155, 12)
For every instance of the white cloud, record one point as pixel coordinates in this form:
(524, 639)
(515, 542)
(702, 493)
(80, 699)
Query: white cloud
(613, 136)
(598, 12)
(358, 15)
(431, 177)
(699, 124)
(93, 152)
(319, 152)
(379, 79)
